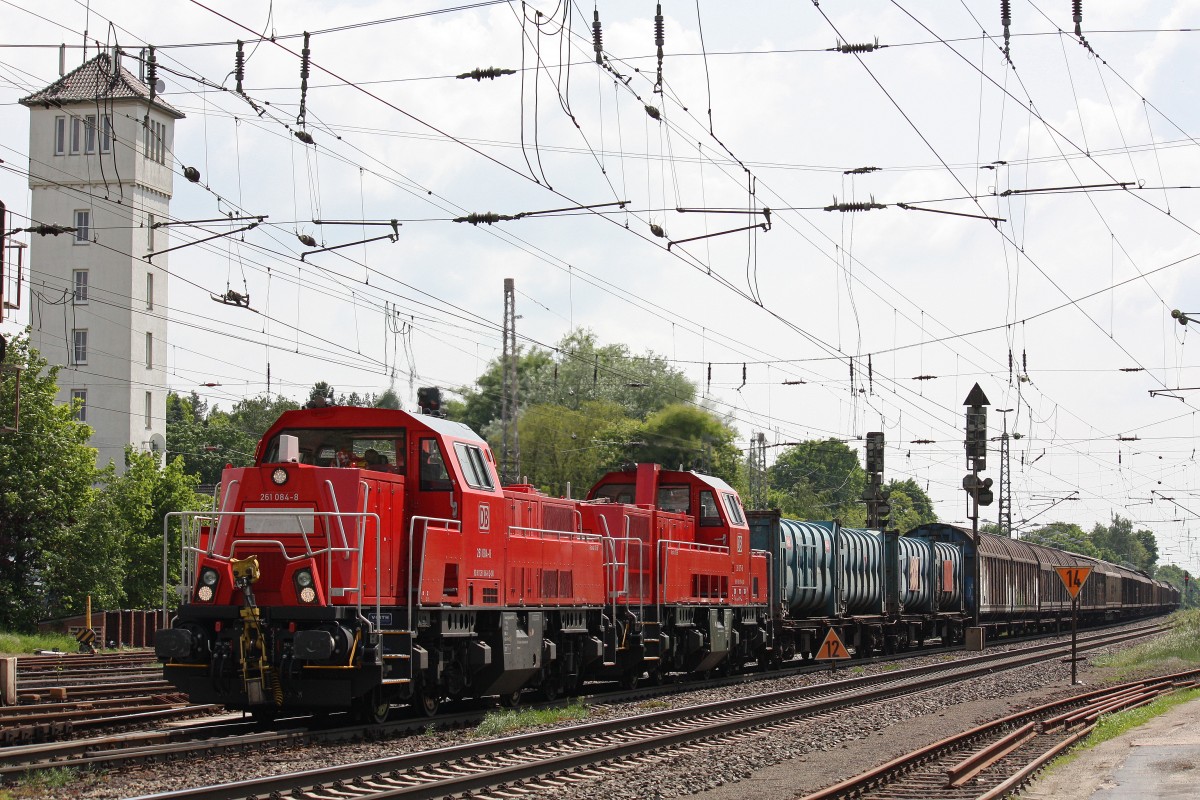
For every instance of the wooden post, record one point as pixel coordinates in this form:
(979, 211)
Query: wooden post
(8, 681)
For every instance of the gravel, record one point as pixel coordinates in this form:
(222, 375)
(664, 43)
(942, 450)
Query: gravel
(778, 763)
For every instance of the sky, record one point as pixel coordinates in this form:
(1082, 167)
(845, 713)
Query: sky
(940, 214)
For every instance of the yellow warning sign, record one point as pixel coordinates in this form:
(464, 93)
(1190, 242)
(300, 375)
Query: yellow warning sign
(1073, 578)
(832, 648)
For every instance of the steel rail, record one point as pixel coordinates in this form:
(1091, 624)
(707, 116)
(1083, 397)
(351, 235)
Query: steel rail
(464, 768)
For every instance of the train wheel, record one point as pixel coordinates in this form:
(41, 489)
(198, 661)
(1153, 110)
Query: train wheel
(428, 701)
(550, 689)
(511, 700)
(630, 680)
(373, 708)
(264, 715)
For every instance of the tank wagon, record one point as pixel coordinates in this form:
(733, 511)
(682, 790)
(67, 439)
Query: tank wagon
(371, 558)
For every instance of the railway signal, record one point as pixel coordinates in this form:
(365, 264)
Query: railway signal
(1074, 578)
(979, 491)
(878, 508)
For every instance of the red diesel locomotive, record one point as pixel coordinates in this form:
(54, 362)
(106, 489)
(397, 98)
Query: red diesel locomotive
(371, 557)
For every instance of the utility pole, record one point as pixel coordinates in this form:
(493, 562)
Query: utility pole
(758, 471)
(1004, 519)
(511, 456)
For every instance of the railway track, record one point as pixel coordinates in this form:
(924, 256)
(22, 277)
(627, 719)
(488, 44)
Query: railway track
(994, 759)
(237, 736)
(535, 764)
(63, 695)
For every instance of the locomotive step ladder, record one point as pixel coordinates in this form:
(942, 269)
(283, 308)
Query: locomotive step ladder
(396, 649)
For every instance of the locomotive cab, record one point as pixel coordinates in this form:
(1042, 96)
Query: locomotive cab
(295, 589)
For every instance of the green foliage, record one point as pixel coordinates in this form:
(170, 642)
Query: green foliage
(207, 439)
(1175, 650)
(46, 474)
(559, 446)
(321, 394)
(1063, 536)
(819, 480)
(1189, 596)
(911, 506)
(579, 372)
(1110, 726)
(17, 643)
(1120, 543)
(50, 778)
(498, 723)
(683, 436)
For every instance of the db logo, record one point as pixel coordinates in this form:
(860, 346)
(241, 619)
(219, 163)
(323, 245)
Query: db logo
(485, 516)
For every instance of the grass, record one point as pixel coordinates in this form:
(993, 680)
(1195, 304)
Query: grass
(653, 705)
(26, 643)
(1180, 646)
(53, 778)
(498, 723)
(1111, 726)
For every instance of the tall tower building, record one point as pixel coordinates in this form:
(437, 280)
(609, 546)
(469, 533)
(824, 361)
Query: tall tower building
(100, 158)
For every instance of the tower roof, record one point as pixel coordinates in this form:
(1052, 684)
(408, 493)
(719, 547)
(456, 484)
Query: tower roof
(96, 80)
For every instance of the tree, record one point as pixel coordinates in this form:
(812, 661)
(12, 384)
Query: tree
(911, 507)
(1119, 543)
(688, 437)
(387, 399)
(1181, 580)
(46, 474)
(254, 415)
(130, 510)
(822, 479)
(320, 395)
(560, 447)
(1063, 536)
(206, 443)
(579, 371)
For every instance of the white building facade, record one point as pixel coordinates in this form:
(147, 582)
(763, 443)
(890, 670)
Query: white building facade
(100, 163)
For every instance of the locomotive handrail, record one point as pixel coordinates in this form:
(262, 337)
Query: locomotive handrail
(565, 534)
(415, 588)
(337, 509)
(189, 519)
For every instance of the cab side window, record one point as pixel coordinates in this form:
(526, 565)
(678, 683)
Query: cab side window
(434, 476)
(474, 466)
(710, 516)
(733, 508)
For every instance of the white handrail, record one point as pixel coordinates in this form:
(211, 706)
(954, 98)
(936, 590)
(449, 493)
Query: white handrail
(414, 589)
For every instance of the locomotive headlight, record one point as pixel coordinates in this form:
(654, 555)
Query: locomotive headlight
(279, 476)
(305, 588)
(208, 577)
(304, 579)
(308, 595)
(204, 594)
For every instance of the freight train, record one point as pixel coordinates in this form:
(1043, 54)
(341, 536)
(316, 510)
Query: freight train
(371, 558)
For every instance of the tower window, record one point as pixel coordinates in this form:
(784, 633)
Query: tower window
(60, 135)
(76, 134)
(149, 350)
(83, 226)
(149, 399)
(154, 137)
(149, 291)
(79, 402)
(79, 340)
(106, 135)
(150, 232)
(89, 134)
(81, 286)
